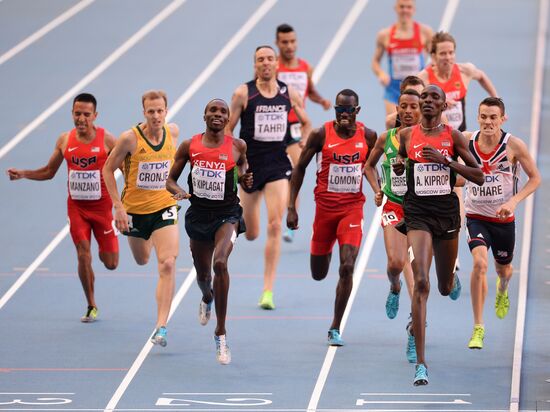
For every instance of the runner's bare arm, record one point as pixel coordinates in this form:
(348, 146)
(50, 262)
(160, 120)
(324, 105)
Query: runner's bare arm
(109, 141)
(472, 72)
(180, 160)
(427, 34)
(390, 120)
(470, 169)
(314, 145)
(520, 154)
(298, 106)
(245, 177)
(313, 93)
(370, 168)
(423, 75)
(380, 49)
(238, 104)
(48, 171)
(175, 132)
(403, 137)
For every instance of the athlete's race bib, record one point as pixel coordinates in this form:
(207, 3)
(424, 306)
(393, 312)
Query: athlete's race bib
(153, 175)
(296, 80)
(345, 178)
(432, 179)
(85, 184)
(455, 115)
(398, 183)
(491, 193)
(270, 126)
(296, 131)
(208, 183)
(405, 63)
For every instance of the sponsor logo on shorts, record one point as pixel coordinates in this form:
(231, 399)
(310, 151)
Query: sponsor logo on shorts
(106, 232)
(502, 253)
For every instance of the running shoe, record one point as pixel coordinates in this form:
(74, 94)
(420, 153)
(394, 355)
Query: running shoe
(392, 302)
(288, 236)
(502, 303)
(334, 338)
(90, 316)
(223, 354)
(457, 288)
(476, 342)
(411, 344)
(420, 375)
(159, 337)
(205, 310)
(266, 300)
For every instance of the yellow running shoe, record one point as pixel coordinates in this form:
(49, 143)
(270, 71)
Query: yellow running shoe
(502, 303)
(266, 301)
(90, 316)
(476, 342)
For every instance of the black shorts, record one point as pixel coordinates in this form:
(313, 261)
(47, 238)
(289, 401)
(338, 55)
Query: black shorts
(268, 169)
(143, 226)
(202, 225)
(499, 237)
(440, 227)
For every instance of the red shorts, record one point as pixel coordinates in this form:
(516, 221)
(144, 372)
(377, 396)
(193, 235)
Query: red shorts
(83, 221)
(329, 225)
(392, 213)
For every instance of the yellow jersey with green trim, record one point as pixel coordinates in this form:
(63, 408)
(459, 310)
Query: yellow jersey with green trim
(145, 173)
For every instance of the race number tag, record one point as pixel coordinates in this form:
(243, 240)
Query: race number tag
(296, 80)
(208, 183)
(85, 184)
(389, 218)
(345, 178)
(491, 193)
(153, 175)
(270, 126)
(455, 115)
(431, 179)
(170, 214)
(296, 131)
(405, 63)
(398, 183)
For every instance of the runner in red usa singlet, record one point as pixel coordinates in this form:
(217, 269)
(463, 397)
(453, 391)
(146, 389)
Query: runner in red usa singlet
(342, 147)
(85, 150)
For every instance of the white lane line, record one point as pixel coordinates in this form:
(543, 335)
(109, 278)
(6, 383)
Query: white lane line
(357, 277)
(231, 44)
(45, 30)
(446, 21)
(529, 205)
(189, 280)
(413, 394)
(338, 38)
(104, 65)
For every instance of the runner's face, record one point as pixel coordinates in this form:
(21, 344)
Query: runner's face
(216, 115)
(409, 110)
(84, 116)
(286, 42)
(155, 113)
(444, 56)
(490, 119)
(432, 101)
(266, 64)
(348, 103)
(405, 9)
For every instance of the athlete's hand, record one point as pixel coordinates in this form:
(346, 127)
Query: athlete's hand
(246, 180)
(433, 155)
(326, 104)
(378, 197)
(121, 220)
(14, 174)
(399, 166)
(181, 195)
(292, 218)
(384, 78)
(506, 210)
(451, 102)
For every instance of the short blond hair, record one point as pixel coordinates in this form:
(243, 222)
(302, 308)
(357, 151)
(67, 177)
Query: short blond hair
(152, 95)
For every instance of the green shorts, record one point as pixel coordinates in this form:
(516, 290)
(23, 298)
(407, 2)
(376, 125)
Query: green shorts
(143, 226)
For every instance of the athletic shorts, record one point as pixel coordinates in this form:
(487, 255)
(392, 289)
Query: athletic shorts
(392, 213)
(143, 226)
(499, 237)
(391, 93)
(295, 133)
(268, 169)
(346, 226)
(83, 221)
(440, 227)
(202, 226)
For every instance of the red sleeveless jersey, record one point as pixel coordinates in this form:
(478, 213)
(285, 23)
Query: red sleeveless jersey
(340, 169)
(214, 175)
(442, 142)
(414, 43)
(84, 164)
(454, 88)
(295, 77)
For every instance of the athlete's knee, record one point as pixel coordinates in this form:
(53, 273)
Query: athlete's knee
(84, 256)
(480, 268)
(274, 227)
(110, 260)
(319, 275)
(251, 235)
(167, 266)
(444, 289)
(422, 286)
(141, 260)
(220, 266)
(346, 269)
(395, 265)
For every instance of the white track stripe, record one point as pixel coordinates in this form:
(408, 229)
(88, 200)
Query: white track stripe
(104, 65)
(338, 38)
(44, 30)
(189, 280)
(529, 204)
(446, 22)
(220, 57)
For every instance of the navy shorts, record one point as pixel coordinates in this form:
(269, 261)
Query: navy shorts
(268, 169)
(202, 225)
(499, 237)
